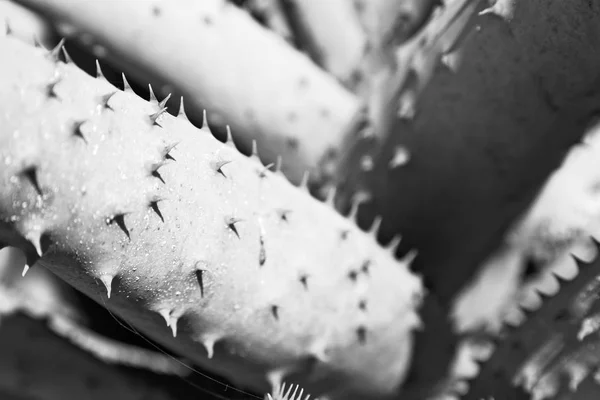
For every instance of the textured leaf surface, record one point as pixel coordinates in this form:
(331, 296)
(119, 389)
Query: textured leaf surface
(223, 61)
(553, 350)
(243, 266)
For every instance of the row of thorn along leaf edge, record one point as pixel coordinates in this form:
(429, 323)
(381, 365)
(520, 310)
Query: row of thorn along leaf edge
(554, 350)
(116, 221)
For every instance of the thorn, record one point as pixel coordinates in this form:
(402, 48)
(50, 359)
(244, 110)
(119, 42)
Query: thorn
(219, 166)
(229, 140)
(330, 200)
(31, 174)
(7, 29)
(255, 151)
(99, 74)
(163, 103)
(166, 314)
(262, 254)
(154, 167)
(283, 214)
(410, 257)
(107, 279)
(304, 281)
(209, 345)
(35, 238)
(361, 333)
(68, 59)
(489, 10)
(51, 89)
(359, 198)
(278, 164)
(275, 311)
(205, 122)
(37, 44)
(374, 229)
(173, 325)
(152, 97)
(262, 173)
(304, 182)
(406, 108)
(365, 267)
(167, 149)
(120, 220)
(154, 206)
(392, 246)
(181, 113)
(54, 54)
(200, 278)
(362, 305)
(126, 86)
(231, 221)
(25, 269)
(154, 117)
(106, 98)
(401, 157)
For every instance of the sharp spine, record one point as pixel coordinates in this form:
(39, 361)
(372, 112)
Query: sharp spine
(219, 166)
(51, 89)
(231, 221)
(330, 200)
(304, 281)
(99, 74)
(166, 315)
(304, 182)
(54, 54)
(262, 253)
(284, 214)
(167, 150)
(106, 98)
(154, 167)
(275, 311)
(208, 342)
(173, 325)
(254, 153)
(164, 101)
(262, 173)
(152, 97)
(31, 174)
(154, 206)
(107, 279)
(205, 124)
(68, 59)
(154, 117)
(181, 114)
(200, 278)
(126, 86)
(119, 219)
(374, 230)
(7, 29)
(229, 140)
